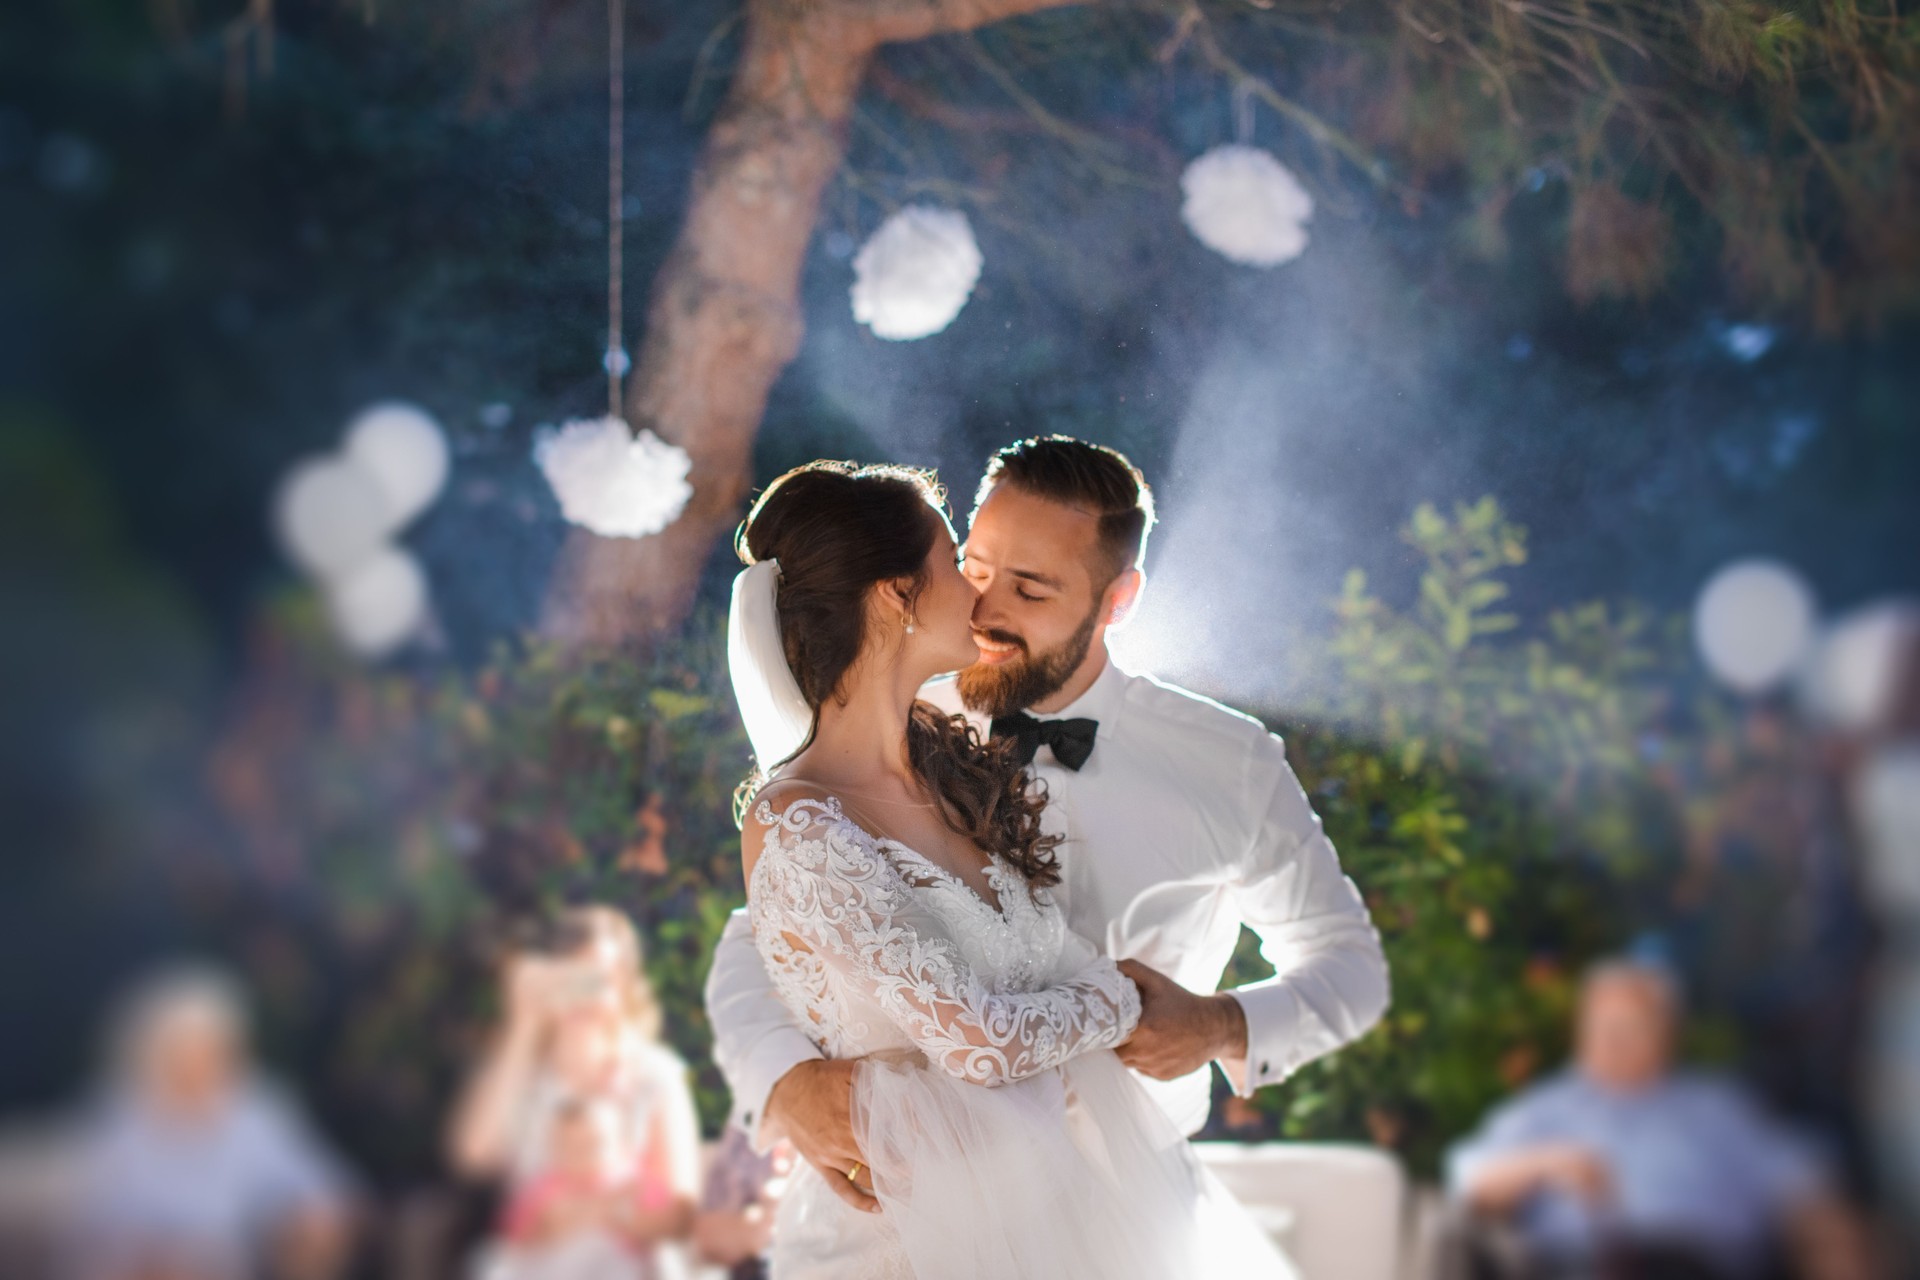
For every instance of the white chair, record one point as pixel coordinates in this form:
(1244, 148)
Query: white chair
(1337, 1210)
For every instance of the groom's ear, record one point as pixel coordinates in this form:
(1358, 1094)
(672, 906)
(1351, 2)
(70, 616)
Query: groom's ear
(1122, 594)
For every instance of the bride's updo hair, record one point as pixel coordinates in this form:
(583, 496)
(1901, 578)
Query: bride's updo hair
(839, 529)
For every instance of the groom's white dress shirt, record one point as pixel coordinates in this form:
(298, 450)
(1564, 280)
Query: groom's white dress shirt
(1184, 824)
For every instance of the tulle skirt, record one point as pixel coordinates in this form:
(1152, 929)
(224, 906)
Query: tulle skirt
(1071, 1173)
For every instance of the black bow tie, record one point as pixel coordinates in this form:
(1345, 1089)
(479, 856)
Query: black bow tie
(1071, 740)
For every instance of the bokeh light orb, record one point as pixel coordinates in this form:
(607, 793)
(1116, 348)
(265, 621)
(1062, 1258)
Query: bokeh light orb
(1753, 624)
(1246, 206)
(1855, 674)
(404, 449)
(330, 515)
(915, 273)
(381, 604)
(1886, 799)
(612, 481)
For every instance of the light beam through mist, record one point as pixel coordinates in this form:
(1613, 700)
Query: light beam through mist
(1306, 442)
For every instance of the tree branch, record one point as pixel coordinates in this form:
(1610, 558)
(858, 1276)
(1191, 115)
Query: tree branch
(896, 21)
(969, 121)
(1316, 128)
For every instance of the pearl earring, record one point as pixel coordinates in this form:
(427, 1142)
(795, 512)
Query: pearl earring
(910, 627)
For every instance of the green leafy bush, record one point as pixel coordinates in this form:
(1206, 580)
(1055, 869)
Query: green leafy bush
(436, 815)
(1484, 784)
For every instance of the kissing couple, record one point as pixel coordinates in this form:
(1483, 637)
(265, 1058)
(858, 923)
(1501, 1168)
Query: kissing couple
(975, 982)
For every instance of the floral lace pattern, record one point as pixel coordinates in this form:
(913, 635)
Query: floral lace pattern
(876, 947)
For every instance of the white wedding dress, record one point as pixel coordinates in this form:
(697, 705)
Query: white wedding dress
(1006, 1141)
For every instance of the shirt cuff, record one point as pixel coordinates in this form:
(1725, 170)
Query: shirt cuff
(1273, 1038)
(752, 1081)
(1234, 1066)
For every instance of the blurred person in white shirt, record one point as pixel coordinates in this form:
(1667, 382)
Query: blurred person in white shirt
(1624, 1166)
(192, 1166)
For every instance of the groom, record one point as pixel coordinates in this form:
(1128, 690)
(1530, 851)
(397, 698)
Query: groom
(1181, 822)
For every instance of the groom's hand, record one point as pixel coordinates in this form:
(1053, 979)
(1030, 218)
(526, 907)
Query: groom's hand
(1180, 1032)
(812, 1108)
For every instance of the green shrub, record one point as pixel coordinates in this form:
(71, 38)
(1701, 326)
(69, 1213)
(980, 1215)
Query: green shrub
(1483, 783)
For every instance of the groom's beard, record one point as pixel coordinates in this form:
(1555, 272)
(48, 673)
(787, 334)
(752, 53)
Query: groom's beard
(1001, 689)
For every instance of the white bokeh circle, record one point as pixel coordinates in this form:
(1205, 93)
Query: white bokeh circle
(404, 449)
(381, 604)
(330, 515)
(1753, 624)
(1853, 678)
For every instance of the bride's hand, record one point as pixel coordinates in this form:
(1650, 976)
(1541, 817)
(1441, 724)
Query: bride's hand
(1180, 1032)
(812, 1108)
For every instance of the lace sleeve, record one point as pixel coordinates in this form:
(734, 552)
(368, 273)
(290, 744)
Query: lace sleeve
(824, 882)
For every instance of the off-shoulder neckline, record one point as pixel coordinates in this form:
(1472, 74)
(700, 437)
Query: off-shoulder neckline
(998, 872)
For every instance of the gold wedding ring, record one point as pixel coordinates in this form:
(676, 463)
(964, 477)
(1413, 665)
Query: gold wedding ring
(853, 1174)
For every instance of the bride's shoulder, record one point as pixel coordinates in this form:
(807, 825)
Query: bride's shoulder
(795, 810)
(805, 826)
(793, 804)
(785, 812)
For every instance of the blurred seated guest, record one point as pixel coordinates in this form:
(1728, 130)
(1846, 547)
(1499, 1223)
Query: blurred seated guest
(735, 1222)
(1624, 1167)
(191, 1166)
(581, 1028)
(1884, 762)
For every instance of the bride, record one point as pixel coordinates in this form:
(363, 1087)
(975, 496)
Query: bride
(897, 884)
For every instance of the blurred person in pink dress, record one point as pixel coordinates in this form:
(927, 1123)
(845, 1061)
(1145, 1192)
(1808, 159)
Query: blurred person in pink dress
(581, 1035)
(589, 1212)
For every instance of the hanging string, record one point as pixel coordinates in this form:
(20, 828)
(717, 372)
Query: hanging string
(616, 357)
(607, 477)
(1243, 112)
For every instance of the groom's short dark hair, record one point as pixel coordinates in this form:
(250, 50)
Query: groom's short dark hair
(1092, 477)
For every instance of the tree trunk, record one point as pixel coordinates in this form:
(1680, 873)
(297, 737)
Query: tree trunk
(724, 318)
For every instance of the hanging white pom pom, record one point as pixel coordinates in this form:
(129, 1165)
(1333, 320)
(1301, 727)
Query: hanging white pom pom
(378, 606)
(1246, 206)
(913, 275)
(611, 481)
(330, 515)
(404, 449)
(1753, 624)
(1855, 675)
